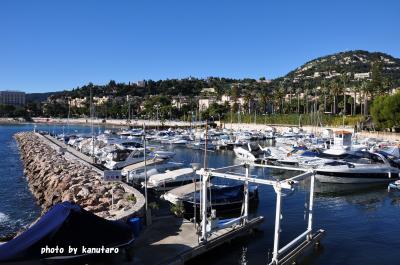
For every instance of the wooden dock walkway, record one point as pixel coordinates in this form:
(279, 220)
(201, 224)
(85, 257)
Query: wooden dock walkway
(173, 240)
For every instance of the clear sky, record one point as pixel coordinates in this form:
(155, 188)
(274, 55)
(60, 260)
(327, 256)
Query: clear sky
(51, 45)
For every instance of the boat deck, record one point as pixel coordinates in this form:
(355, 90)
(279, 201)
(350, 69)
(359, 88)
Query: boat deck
(141, 164)
(173, 240)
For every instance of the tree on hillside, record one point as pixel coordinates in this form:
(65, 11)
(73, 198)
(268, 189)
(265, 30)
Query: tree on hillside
(385, 111)
(324, 91)
(344, 78)
(376, 78)
(334, 90)
(281, 91)
(262, 99)
(298, 92)
(306, 93)
(247, 100)
(368, 90)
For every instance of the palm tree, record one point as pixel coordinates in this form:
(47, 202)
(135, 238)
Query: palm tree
(356, 89)
(367, 89)
(314, 92)
(298, 91)
(247, 100)
(282, 93)
(334, 89)
(344, 80)
(289, 90)
(324, 91)
(306, 94)
(262, 99)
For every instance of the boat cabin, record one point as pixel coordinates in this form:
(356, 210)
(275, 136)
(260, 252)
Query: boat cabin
(342, 138)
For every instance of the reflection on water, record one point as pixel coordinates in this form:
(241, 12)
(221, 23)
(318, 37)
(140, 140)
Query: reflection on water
(365, 195)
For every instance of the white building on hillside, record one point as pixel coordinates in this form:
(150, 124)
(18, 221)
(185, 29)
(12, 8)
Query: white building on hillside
(359, 76)
(205, 103)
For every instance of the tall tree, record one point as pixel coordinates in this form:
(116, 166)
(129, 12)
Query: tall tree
(334, 88)
(324, 91)
(368, 90)
(344, 78)
(376, 78)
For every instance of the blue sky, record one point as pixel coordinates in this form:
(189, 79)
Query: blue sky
(49, 45)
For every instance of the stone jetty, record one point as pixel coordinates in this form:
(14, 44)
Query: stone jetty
(53, 178)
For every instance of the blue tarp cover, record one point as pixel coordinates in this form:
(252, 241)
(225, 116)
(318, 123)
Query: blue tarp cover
(221, 194)
(64, 225)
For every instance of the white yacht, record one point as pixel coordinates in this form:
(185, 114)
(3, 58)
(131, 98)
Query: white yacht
(171, 179)
(118, 159)
(362, 167)
(138, 175)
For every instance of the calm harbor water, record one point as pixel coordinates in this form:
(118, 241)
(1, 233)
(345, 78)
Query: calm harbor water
(361, 223)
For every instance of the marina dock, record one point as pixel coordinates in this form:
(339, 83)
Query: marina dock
(173, 240)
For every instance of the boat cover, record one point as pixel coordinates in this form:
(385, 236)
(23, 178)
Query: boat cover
(66, 225)
(223, 194)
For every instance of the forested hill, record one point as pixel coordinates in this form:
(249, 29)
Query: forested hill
(355, 65)
(350, 62)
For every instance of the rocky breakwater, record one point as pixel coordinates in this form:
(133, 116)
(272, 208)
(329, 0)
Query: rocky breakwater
(53, 178)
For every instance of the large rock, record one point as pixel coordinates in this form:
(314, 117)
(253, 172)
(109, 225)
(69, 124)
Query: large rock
(52, 179)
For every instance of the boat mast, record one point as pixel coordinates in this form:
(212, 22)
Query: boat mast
(91, 121)
(205, 146)
(129, 110)
(145, 168)
(69, 113)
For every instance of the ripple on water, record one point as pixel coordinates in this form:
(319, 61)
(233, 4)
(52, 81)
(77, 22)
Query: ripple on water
(3, 217)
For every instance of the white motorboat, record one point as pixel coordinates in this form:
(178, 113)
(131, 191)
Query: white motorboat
(200, 145)
(250, 152)
(362, 167)
(176, 140)
(138, 175)
(171, 179)
(118, 159)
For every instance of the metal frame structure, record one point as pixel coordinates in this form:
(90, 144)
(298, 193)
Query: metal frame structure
(278, 185)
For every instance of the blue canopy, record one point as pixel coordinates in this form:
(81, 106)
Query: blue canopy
(65, 225)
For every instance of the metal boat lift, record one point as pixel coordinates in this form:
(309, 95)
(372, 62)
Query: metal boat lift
(281, 255)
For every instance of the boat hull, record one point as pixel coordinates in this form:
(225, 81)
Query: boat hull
(336, 177)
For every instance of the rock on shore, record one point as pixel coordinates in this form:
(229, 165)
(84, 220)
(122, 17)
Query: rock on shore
(53, 179)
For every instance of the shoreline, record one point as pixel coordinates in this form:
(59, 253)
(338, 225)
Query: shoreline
(390, 136)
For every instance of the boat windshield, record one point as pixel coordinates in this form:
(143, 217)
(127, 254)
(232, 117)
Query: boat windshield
(120, 155)
(390, 158)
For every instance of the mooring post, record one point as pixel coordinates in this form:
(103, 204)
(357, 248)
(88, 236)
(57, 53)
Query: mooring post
(311, 205)
(246, 194)
(278, 191)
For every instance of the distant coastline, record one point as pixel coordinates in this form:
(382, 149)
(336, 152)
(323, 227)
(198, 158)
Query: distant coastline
(14, 121)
